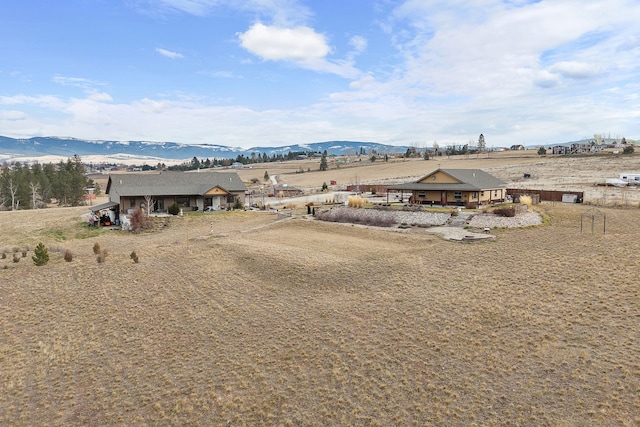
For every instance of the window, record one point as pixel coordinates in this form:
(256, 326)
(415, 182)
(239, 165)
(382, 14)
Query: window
(422, 194)
(457, 195)
(482, 193)
(132, 203)
(182, 201)
(475, 195)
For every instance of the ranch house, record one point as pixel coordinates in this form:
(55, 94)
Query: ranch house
(457, 187)
(189, 190)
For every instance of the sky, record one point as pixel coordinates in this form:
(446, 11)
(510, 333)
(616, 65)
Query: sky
(258, 73)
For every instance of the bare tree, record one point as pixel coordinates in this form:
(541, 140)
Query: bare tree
(35, 195)
(13, 190)
(149, 201)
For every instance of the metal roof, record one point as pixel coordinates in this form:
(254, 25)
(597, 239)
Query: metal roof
(102, 206)
(172, 183)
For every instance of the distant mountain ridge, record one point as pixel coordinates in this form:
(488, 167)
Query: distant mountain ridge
(151, 152)
(11, 148)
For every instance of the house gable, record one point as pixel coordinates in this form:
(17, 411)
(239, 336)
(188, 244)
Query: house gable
(439, 177)
(217, 191)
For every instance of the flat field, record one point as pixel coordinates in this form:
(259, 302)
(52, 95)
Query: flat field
(568, 173)
(243, 319)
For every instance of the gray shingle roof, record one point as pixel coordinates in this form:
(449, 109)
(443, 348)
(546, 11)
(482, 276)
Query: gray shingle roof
(172, 183)
(470, 180)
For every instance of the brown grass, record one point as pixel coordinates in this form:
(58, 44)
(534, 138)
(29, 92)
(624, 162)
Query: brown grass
(569, 173)
(240, 319)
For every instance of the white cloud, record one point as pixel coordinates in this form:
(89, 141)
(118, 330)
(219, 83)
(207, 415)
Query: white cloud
(45, 101)
(575, 70)
(358, 43)
(147, 105)
(80, 82)
(100, 97)
(545, 79)
(169, 54)
(276, 43)
(12, 115)
(221, 74)
(300, 45)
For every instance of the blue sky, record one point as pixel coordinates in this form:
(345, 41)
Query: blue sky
(277, 72)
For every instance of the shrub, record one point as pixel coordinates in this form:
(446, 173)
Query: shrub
(68, 256)
(134, 257)
(4, 255)
(24, 253)
(96, 248)
(526, 200)
(139, 221)
(102, 256)
(505, 211)
(351, 216)
(16, 257)
(628, 149)
(174, 209)
(41, 254)
(238, 204)
(356, 201)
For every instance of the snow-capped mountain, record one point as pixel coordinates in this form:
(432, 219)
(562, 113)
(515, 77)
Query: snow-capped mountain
(33, 148)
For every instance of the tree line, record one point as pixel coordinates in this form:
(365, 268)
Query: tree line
(254, 158)
(33, 186)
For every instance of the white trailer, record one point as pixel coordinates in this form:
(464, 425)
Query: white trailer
(630, 178)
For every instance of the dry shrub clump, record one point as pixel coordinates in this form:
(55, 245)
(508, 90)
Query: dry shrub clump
(356, 201)
(360, 216)
(68, 255)
(134, 257)
(526, 200)
(96, 248)
(139, 221)
(102, 256)
(509, 211)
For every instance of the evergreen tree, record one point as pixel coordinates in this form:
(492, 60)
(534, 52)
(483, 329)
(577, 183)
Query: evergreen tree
(41, 255)
(482, 146)
(323, 161)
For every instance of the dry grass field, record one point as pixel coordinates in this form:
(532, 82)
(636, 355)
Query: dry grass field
(243, 319)
(569, 173)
